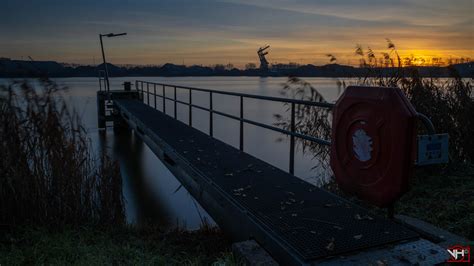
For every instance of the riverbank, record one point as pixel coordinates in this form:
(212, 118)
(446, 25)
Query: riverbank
(444, 198)
(113, 246)
(22, 69)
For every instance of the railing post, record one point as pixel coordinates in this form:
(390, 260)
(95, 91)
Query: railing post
(190, 108)
(154, 94)
(164, 100)
(100, 83)
(292, 140)
(241, 146)
(175, 105)
(143, 98)
(148, 93)
(211, 130)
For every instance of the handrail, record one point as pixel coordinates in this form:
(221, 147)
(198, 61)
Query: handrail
(292, 133)
(245, 95)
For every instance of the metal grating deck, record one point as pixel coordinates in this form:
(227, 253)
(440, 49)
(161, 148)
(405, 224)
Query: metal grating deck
(309, 221)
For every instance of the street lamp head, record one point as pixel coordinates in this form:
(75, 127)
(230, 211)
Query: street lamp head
(103, 55)
(113, 34)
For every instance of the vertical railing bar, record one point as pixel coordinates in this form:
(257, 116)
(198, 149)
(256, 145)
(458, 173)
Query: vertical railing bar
(190, 108)
(100, 82)
(175, 104)
(148, 93)
(154, 94)
(241, 146)
(164, 100)
(211, 130)
(292, 140)
(143, 98)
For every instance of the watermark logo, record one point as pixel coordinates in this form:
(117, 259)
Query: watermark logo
(459, 253)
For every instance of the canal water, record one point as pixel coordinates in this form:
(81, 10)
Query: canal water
(152, 194)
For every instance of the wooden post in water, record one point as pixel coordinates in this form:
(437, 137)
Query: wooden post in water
(120, 125)
(100, 109)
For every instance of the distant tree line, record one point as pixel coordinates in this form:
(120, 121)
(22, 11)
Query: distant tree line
(20, 68)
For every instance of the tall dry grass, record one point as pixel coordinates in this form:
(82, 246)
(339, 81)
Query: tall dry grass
(48, 172)
(447, 102)
(309, 120)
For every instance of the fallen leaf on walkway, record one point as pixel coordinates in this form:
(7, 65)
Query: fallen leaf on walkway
(331, 245)
(368, 217)
(365, 217)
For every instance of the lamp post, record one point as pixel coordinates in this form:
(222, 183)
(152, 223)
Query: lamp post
(109, 35)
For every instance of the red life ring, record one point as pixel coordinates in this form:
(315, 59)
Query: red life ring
(373, 141)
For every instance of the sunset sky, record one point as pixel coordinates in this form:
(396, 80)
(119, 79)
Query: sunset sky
(230, 31)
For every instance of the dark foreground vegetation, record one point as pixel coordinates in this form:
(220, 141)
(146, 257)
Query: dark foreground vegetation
(443, 197)
(440, 194)
(61, 203)
(113, 246)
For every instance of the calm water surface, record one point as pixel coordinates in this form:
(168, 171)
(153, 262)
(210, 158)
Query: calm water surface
(152, 193)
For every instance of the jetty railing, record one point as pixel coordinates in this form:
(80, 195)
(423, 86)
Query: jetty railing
(151, 89)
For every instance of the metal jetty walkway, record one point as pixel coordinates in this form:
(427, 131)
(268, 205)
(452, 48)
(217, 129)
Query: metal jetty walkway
(296, 222)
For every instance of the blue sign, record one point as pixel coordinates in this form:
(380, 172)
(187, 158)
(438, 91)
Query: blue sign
(432, 149)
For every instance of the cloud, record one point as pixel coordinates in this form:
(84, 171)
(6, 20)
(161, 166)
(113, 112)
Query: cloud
(213, 31)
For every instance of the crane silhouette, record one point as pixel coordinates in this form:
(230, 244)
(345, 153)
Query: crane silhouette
(262, 52)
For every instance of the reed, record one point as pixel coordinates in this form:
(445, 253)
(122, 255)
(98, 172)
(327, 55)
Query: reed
(48, 172)
(309, 120)
(447, 102)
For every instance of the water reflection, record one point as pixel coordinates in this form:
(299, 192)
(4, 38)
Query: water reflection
(152, 194)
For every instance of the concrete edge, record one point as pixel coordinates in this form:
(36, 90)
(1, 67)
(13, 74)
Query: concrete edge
(252, 254)
(438, 235)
